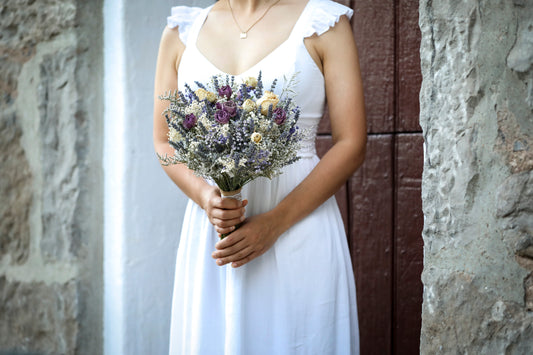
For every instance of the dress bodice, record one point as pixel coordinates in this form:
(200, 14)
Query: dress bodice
(289, 58)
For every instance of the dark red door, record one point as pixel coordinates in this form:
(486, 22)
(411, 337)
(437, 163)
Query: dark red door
(381, 203)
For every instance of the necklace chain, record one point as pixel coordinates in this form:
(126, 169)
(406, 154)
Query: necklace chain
(244, 34)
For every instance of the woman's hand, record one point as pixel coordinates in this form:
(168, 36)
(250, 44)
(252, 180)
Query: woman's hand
(223, 213)
(252, 239)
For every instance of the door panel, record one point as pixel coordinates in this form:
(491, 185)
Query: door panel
(373, 24)
(408, 64)
(371, 228)
(408, 245)
(381, 203)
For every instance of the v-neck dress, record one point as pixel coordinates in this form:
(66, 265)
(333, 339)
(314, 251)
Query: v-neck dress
(299, 296)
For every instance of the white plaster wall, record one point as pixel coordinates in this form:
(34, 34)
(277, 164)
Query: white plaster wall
(143, 208)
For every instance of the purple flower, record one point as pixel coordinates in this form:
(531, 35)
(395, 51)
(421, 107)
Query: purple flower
(229, 106)
(221, 116)
(279, 115)
(189, 121)
(225, 91)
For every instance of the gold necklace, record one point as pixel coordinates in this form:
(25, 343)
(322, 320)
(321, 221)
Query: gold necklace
(244, 34)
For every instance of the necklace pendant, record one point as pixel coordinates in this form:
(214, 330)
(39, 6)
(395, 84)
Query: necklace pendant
(243, 35)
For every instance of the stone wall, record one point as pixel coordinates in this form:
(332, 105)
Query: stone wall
(477, 118)
(51, 177)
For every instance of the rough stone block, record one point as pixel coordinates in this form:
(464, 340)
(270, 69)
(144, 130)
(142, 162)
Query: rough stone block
(9, 72)
(515, 195)
(477, 190)
(38, 318)
(520, 57)
(514, 143)
(50, 51)
(461, 317)
(24, 24)
(16, 197)
(27, 22)
(58, 107)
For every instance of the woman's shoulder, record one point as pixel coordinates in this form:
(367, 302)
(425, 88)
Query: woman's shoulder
(182, 18)
(183, 15)
(323, 15)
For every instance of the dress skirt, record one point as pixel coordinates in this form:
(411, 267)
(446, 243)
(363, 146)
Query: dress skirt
(296, 298)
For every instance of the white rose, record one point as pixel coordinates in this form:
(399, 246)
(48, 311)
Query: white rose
(251, 81)
(249, 105)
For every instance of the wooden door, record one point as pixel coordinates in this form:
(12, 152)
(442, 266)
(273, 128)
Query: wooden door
(381, 203)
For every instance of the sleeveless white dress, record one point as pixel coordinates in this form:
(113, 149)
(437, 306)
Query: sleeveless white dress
(298, 297)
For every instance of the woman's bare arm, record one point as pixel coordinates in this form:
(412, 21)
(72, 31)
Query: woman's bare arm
(223, 213)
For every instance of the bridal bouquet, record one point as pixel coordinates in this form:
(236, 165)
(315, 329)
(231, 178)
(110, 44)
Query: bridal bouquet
(233, 132)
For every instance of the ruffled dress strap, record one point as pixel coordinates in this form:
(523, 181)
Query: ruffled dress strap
(183, 17)
(321, 15)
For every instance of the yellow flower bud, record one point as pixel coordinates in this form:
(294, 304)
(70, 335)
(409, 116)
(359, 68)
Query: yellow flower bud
(204, 94)
(268, 98)
(256, 137)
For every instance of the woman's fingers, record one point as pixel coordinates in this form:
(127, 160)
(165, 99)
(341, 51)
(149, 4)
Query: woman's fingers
(224, 230)
(236, 247)
(229, 203)
(226, 223)
(254, 238)
(237, 252)
(245, 260)
(237, 244)
(227, 214)
(233, 238)
(239, 258)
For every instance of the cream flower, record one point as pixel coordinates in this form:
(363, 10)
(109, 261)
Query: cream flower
(204, 120)
(193, 108)
(228, 165)
(268, 98)
(256, 137)
(204, 94)
(249, 105)
(174, 135)
(251, 81)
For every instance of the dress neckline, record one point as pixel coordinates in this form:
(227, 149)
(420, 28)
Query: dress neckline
(202, 19)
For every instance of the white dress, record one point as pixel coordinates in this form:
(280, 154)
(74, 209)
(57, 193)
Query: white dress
(298, 297)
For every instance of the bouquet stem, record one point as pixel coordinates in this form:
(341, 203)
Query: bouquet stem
(236, 195)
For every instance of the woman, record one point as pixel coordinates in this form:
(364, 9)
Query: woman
(282, 283)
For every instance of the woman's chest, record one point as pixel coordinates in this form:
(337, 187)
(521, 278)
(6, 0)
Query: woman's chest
(220, 39)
